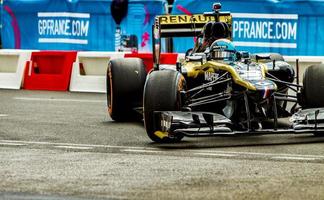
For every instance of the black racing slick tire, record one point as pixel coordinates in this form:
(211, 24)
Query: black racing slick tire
(162, 93)
(125, 82)
(313, 85)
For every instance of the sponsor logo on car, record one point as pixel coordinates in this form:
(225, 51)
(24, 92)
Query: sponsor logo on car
(211, 76)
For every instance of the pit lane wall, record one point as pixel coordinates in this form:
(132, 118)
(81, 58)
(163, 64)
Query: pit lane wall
(289, 27)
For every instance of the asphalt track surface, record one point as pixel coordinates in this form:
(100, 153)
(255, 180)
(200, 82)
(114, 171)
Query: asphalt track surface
(61, 145)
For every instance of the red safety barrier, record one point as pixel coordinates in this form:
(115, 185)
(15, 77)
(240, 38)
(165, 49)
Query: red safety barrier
(49, 70)
(165, 58)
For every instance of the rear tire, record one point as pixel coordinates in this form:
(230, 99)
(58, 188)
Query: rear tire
(125, 82)
(162, 93)
(313, 85)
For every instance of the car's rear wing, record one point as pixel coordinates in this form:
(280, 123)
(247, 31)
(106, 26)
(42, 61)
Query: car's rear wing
(184, 26)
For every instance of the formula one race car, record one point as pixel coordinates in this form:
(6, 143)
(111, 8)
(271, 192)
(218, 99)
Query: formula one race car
(215, 89)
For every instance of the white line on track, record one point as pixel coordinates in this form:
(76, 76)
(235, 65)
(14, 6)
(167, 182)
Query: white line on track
(3, 115)
(216, 154)
(134, 149)
(142, 151)
(263, 154)
(59, 100)
(81, 145)
(293, 158)
(73, 147)
(11, 144)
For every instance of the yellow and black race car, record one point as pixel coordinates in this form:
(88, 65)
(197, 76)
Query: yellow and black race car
(215, 89)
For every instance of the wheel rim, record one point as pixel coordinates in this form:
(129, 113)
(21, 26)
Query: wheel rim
(110, 93)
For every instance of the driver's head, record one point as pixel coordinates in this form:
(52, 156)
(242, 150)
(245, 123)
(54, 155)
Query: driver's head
(223, 49)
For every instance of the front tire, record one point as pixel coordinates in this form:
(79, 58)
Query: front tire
(125, 82)
(162, 93)
(313, 85)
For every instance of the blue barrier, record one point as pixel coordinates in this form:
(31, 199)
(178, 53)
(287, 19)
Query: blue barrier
(75, 24)
(289, 27)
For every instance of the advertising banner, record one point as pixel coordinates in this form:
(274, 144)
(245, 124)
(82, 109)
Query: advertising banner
(289, 27)
(78, 25)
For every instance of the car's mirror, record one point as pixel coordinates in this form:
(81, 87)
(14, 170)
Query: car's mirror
(245, 55)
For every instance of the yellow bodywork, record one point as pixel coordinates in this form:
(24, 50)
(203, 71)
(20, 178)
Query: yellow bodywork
(197, 68)
(161, 134)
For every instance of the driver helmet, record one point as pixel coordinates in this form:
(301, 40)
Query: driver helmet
(223, 49)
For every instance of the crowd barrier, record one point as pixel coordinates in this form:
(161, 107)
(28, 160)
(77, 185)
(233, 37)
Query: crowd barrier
(166, 58)
(83, 71)
(89, 71)
(12, 65)
(49, 70)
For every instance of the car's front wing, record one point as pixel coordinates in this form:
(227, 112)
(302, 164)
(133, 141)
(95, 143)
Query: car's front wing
(195, 124)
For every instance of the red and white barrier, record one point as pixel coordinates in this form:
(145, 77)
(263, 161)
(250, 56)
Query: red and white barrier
(82, 71)
(49, 70)
(165, 58)
(12, 65)
(89, 71)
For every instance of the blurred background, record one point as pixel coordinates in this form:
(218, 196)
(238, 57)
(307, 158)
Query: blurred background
(289, 27)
